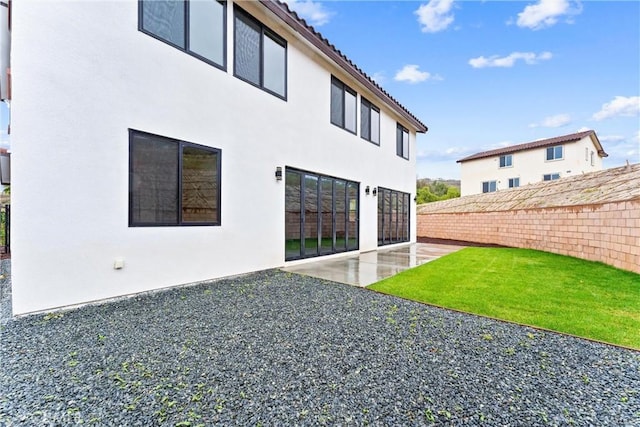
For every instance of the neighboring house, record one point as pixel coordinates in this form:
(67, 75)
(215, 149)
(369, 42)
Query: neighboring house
(163, 143)
(543, 160)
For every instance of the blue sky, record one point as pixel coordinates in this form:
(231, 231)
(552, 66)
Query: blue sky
(485, 74)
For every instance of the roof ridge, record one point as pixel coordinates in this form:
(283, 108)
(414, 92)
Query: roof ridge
(534, 144)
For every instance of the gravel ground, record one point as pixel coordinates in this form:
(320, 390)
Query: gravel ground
(275, 348)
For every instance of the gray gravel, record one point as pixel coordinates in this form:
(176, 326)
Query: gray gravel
(274, 348)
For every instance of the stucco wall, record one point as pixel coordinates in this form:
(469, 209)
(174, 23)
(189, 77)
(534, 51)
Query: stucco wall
(608, 232)
(84, 75)
(5, 39)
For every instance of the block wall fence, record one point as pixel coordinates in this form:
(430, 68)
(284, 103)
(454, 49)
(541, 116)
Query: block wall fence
(608, 232)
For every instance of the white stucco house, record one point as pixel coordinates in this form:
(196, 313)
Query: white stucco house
(160, 143)
(5, 41)
(542, 160)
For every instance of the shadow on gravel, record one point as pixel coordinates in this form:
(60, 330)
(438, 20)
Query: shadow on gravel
(278, 348)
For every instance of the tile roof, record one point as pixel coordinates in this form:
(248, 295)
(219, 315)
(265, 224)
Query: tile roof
(282, 11)
(606, 186)
(539, 144)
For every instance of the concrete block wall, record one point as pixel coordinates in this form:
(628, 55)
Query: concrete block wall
(608, 232)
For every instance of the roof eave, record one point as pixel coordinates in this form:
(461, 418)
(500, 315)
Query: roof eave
(332, 53)
(598, 145)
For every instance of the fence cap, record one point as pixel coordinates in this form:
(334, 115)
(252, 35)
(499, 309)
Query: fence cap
(610, 185)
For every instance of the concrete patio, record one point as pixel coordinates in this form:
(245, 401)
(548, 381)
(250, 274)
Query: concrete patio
(369, 267)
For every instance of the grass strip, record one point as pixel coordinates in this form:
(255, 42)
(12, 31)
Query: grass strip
(556, 292)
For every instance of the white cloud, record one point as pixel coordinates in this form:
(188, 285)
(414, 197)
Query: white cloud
(498, 145)
(627, 106)
(434, 16)
(510, 60)
(378, 77)
(313, 12)
(546, 13)
(611, 138)
(559, 120)
(450, 154)
(412, 74)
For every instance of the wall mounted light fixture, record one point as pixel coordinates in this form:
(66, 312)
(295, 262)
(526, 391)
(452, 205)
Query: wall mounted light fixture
(367, 190)
(278, 173)
(375, 191)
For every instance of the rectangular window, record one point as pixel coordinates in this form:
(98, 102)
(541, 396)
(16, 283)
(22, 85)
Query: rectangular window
(343, 105)
(260, 55)
(402, 142)
(321, 215)
(514, 182)
(586, 154)
(172, 182)
(593, 161)
(489, 186)
(554, 153)
(506, 161)
(551, 176)
(369, 121)
(195, 27)
(393, 216)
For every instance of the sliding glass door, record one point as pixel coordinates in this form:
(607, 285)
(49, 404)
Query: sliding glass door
(321, 215)
(393, 216)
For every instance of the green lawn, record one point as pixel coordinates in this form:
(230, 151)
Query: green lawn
(556, 292)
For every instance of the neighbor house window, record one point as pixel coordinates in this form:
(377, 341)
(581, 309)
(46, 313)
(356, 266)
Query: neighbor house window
(260, 55)
(369, 121)
(586, 154)
(551, 176)
(196, 27)
(506, 161)
(593, 159)
(402, 141)
(172, 182)
(554, 153)
(489, 186)
(514, 182)
(343, 105)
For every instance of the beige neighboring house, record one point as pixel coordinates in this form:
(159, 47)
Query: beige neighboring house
(522, 164)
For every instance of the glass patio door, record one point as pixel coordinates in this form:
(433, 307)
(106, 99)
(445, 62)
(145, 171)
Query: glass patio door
(322, 215)
(393, 216)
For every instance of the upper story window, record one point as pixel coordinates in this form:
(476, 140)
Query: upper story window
(506, 161)
(260, 55)
(172, 182)
(489, 186)
(593, 159)
(551, 176)
(343, 105)
(369, 121)
(196, 27)
(554, 153)
(514, 182)
(402, 142)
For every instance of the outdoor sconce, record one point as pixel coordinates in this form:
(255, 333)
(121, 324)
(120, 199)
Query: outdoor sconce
(278, 173)
(415, 198)
(366, 190)
(375, 191)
